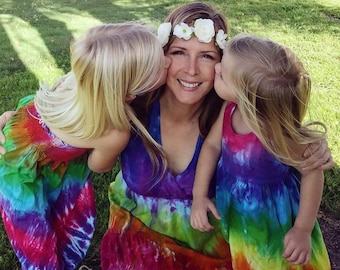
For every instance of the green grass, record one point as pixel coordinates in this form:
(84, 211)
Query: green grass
(34, 46)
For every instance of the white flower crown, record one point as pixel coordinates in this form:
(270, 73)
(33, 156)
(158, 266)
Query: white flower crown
(203, 29)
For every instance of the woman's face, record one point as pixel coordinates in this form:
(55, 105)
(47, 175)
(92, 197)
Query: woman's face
(192, 70)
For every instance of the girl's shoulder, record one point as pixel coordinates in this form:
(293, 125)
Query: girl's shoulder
(111, 140)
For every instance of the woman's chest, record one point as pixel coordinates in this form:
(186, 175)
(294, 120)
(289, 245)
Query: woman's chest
(179, 144)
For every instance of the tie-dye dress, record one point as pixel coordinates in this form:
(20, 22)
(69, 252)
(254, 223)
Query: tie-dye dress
(258, 199)
(149, 224)
(46, 196)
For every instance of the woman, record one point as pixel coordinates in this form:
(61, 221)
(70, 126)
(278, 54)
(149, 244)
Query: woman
(149, 221)
(150, 213)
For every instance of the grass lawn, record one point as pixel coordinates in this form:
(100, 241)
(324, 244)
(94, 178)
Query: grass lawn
(34, 46)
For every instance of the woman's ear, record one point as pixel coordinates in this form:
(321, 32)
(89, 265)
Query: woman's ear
(129, 98)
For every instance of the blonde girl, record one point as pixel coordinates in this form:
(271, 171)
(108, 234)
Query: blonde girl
(46, 196)
(267, 215)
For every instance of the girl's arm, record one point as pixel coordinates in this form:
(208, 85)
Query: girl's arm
(106, 150)
(318, 155)
(297, 242)
(206, 166)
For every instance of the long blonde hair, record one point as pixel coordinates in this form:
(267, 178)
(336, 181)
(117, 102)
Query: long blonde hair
(273, 90)
(108, 63)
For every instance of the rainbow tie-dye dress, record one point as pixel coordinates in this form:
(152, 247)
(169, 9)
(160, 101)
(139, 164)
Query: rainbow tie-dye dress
(149, 226)
(258, 199)
(46, 195)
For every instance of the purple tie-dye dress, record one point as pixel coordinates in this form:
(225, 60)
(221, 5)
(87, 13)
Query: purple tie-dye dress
(46, 196)
(258, 199)
(150, 219)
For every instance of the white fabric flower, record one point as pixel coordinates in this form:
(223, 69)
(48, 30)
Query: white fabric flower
(163, 33)
(204, 30)
(221, 39)
(183, 30)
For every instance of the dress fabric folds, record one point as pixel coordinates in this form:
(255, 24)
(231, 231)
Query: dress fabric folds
(46, 196)
(258, 199)
(149, 224)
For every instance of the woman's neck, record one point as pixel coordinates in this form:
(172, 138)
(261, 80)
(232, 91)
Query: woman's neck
(178, 112)
(179, 131)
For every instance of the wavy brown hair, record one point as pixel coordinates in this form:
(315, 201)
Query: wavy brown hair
(212, 103)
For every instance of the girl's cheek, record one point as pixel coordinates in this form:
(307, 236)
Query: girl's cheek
(164, 73)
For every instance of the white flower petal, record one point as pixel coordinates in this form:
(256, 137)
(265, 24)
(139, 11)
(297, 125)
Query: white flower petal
(183, 30)
(163, 33)
(204, 30)
(221, 39)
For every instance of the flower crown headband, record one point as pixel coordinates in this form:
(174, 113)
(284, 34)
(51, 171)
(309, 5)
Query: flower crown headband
(203, 29)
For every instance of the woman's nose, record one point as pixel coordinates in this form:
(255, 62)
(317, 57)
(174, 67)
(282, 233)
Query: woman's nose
(192, 66)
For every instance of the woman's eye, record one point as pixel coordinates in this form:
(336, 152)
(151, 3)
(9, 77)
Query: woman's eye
(177, 53)
(208, 56)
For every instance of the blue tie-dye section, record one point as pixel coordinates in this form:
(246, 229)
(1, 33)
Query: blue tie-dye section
(252, 180)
